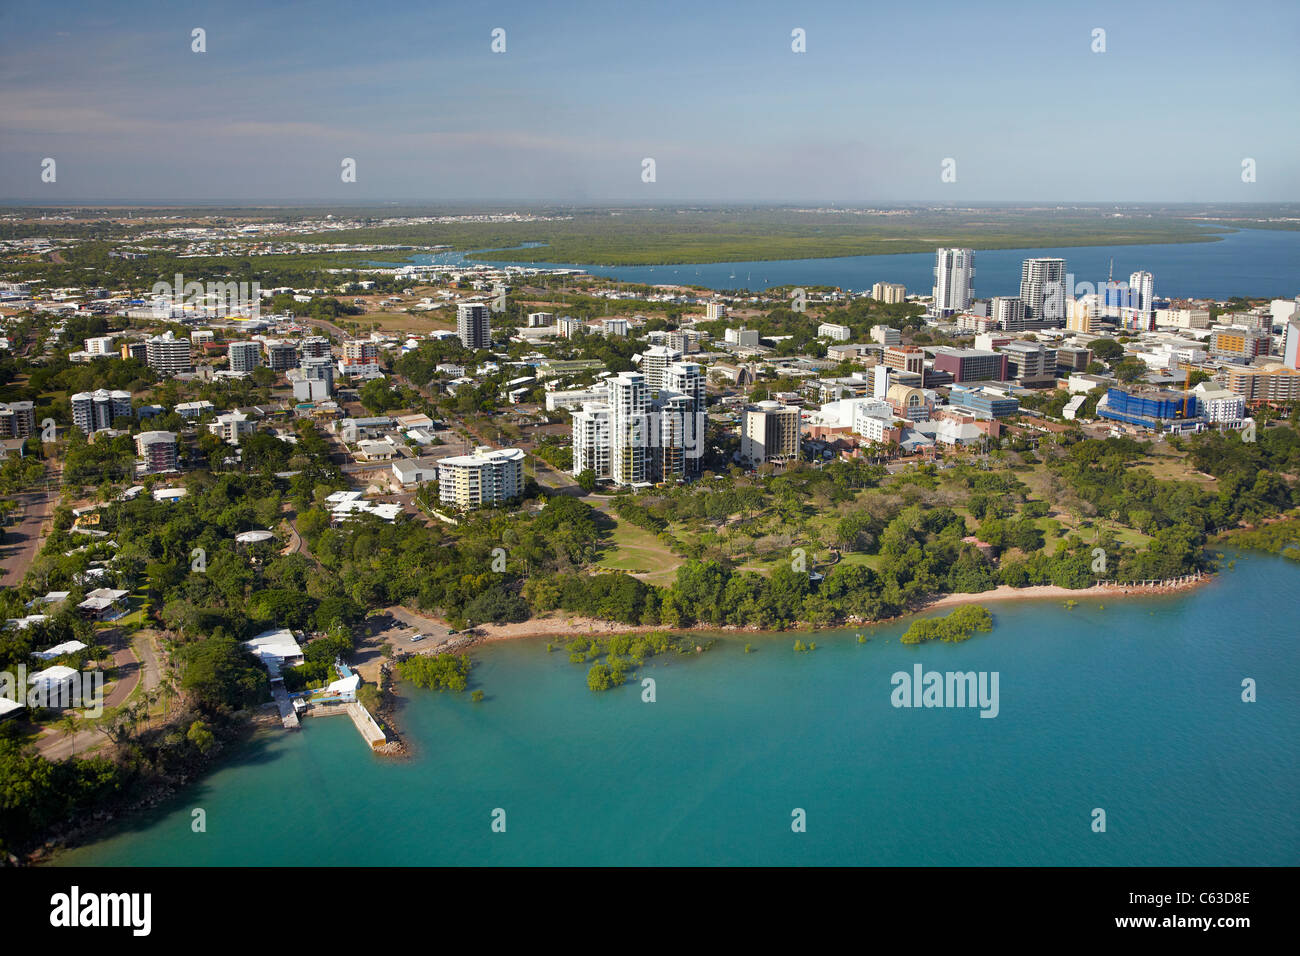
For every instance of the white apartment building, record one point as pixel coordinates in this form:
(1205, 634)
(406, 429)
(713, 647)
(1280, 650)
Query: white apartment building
(953, 271)
(191, 410)
(1142, 292)
(1042, 289)
(1008, 311)
(488, 476)
(885, 334)
(92, 411)
(360, 360)
(591, 439)
(638, 434)
(829, 330)
(315, 346)
(244, 356)
(685, 380)
(1220, 406)
(158, 451)
(1183, 318)
(653, 364)
(231, 426)
(101, 345)
(539, 320)
(168, 355)
(17, 419)
(741, 336)
(682, 340)
(566, 326)
(714, 310)
(629, 428)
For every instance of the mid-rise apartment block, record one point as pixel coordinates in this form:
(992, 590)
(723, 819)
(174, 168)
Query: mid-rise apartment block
(1265, 384)
(281, 356)
(168, 355)
(157, 450)
(92, 411)
(1239, 343)
(18, 419)
(232, 426)
(486, 477)
(889, 293)
(315, 346)
(886, 335)
(770, 432)
(1008, 311)
(244, 356)
(904, 358)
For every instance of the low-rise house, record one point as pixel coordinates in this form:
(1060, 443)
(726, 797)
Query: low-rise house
(103, 604)
(413, 473)
(276, 648)
(59, 650)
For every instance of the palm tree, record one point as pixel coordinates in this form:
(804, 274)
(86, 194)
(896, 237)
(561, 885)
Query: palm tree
(69, 723)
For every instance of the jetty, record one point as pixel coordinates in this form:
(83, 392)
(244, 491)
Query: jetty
(340, 697)
(288, 715)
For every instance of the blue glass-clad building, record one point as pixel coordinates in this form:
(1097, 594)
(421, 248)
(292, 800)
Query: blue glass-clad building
(1150, 409)
(982, 403)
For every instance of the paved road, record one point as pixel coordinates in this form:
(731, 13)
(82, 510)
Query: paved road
(329, 327)
(133, 662)
(23, 540)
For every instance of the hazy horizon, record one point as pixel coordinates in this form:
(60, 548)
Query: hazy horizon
(1015, 94)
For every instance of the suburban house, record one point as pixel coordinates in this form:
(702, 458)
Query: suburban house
(103, 604)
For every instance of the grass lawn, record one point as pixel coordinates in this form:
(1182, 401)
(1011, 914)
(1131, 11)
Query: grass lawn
(639, 552)
(402, 322)
(855, 557)
(1175, 467)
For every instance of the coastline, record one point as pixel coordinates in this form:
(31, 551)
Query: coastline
(555, 626)
(567, 626)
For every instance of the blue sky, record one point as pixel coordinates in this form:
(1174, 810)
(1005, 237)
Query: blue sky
(711, 91)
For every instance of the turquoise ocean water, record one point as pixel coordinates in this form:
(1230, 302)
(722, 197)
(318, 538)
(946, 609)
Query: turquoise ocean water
(1134, 708)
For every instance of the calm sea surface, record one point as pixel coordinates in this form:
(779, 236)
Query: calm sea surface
(1248, 262)
(1134, 708)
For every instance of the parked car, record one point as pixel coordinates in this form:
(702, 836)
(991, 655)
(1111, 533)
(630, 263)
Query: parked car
(416, 637)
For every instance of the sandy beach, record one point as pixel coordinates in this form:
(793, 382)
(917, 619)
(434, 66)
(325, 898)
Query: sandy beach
(566, 626)
(1005, 592)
